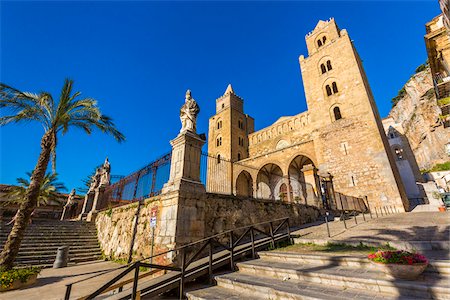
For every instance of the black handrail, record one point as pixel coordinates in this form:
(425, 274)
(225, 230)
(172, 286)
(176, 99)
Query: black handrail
(185, 262)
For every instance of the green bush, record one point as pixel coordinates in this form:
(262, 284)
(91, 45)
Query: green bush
(422, 67)
(444, 101)
(399, 96)
(7, 277)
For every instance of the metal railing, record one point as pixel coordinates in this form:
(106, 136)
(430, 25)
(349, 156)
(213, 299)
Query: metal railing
(146, 182)
(196, 259)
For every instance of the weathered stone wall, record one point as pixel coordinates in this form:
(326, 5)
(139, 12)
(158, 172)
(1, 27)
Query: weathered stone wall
(185, 217)
(115, 229)
(227, 212)
(417, 113)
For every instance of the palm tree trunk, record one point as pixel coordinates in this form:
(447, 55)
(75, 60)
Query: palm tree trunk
(12, 245)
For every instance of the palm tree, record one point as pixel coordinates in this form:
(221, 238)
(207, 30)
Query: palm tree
(55, 117)
(50, 190)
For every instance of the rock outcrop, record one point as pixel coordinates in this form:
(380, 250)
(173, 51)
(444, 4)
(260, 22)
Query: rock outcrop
(418, 114)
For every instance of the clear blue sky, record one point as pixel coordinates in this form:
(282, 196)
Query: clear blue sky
(138, 58)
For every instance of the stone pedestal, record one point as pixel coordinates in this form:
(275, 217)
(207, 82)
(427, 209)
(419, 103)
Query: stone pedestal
(92, 203)
(185, 164)
(87, 205)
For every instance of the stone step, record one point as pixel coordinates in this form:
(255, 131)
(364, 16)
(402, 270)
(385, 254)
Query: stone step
(55, 237)
(257, 287)
(426, 287)
(47, 252)
(55, 246)
(53, 232)
(51, 255)
(49, 262)
(441, 267)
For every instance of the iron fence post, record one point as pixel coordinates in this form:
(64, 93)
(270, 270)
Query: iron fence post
(343, 218)
(364, 217)
(135, 280)
(381, 210)
(183, 266)
(354, 215)
(231, 251)
(252, 237)
(376, 212)
(68, 290)
(288, 231)
(210, 270)
(368, 206)
(326, 222)
(271, 235)
(385, 210)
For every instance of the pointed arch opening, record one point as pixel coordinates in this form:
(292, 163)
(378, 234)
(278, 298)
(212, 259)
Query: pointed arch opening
(303, 180)
(268, 182)
(244, 184)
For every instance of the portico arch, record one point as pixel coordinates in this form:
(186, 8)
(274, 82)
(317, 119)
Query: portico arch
(268, 181)
(244, 184)
(303, 179)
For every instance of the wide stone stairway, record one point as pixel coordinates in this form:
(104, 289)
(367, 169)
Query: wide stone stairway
(288, 274)
(43, 237)
(285, 275)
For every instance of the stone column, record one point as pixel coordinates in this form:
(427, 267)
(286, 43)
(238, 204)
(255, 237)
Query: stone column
(185, 164)
(287, 181)
(310, 178)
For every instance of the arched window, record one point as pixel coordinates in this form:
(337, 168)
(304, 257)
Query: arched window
(223, 105)
(324, 39)
(219, 141)
(319, 43)
(323, 68)
(219, 124)
(337, 113)
(328, 88)
(335, 89)
(239, 156)
(218, 158)
(329, 65)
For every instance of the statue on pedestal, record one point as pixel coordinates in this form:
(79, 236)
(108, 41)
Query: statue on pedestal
(95, 180)
(105, 176)
(188, 114)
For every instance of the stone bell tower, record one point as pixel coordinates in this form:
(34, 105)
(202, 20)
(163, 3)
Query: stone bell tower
(227, 140)
(350, 141)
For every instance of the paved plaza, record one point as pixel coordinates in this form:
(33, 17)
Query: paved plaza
(51, 283)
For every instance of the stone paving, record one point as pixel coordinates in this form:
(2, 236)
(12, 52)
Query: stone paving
(420, 226)
(51, 283)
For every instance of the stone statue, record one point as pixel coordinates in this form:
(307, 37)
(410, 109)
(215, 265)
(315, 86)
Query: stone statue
(95, 180)
(70, 199)
(188, 114)
(105, 175)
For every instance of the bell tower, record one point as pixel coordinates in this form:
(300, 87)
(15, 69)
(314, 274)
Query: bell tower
(350, 143)
(229, 128)
(227, 140)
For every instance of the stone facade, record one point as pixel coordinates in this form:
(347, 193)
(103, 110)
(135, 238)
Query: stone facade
(341, 133)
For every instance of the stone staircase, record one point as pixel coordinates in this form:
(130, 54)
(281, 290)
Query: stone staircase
(43, 237)
(288, 275)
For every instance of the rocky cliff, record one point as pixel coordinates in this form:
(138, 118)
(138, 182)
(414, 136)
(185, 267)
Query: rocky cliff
(417, 113)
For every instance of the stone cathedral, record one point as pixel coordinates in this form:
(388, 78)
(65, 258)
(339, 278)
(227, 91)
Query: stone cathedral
(340, 134)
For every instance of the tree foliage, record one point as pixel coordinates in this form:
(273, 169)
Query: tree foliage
(50, 190)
